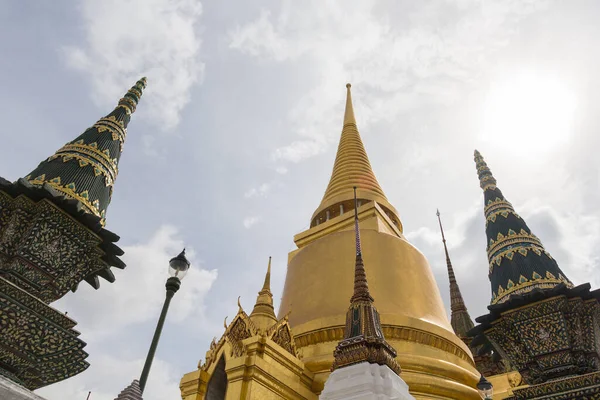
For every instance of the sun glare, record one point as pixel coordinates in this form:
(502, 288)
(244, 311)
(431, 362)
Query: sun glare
(528, 112)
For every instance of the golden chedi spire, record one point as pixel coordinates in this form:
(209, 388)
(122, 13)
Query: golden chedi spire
(263, 314)
(363, 337)
(435, 362)
(351, 168)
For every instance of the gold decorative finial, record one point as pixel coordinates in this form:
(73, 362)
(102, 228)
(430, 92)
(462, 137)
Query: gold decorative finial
(349, 112)
(267, 283)
(239, 305)
(225, 323)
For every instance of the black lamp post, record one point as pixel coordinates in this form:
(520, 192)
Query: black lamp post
(485, 388)
(178, 267)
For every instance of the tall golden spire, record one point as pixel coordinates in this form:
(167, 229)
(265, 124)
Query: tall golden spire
(459, 318)
(263, 314)
(363, 337)
(351, 168)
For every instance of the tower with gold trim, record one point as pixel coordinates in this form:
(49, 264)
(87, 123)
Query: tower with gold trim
(52, 237)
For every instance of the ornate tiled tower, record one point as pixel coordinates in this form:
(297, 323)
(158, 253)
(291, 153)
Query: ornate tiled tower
(518, 261)
(52, 237)
(538, 321)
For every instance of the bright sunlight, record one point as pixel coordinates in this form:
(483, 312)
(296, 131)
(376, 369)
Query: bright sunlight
(529, 112)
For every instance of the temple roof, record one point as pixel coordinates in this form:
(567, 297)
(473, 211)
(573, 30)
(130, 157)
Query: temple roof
(459, 319)
(352, 169)
(363, 337)
(518, 262)
(85, 169)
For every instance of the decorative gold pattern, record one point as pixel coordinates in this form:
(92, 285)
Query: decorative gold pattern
(44, 250)
(38, 343)
(89, 154)
(282, 335)
(549, 339)
(540, 283)
(85, 202)
(583, 387)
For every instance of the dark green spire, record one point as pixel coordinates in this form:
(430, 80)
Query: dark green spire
(86, 168)
(518, 261)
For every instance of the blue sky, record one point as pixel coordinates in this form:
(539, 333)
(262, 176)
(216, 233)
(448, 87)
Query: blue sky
(234, 139)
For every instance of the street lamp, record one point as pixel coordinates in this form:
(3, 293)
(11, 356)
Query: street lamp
(178, 267)
(485, 388)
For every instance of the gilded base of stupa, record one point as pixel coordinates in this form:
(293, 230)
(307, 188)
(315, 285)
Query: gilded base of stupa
(435, 362)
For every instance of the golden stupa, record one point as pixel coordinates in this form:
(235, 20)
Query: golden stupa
(436, 364)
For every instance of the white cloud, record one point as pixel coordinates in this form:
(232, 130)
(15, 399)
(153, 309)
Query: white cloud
(118, 309)
(572, 238)
(108, 376)
(137, 296)
(281, 170)
(250, 221)
(125, 40)
(260, 191)
(399, 58)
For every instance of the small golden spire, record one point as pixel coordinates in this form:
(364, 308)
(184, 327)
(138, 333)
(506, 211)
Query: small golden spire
(363, 336)
(263, 314)
(267, 284)
(349, 113)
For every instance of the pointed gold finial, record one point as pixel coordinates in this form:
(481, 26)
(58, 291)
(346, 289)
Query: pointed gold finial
(225, 323)
(267, 284)
(239, 304)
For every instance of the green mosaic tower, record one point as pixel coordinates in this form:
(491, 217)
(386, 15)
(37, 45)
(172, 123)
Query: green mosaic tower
(52, 237)
(547, 328)
(518, 261)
